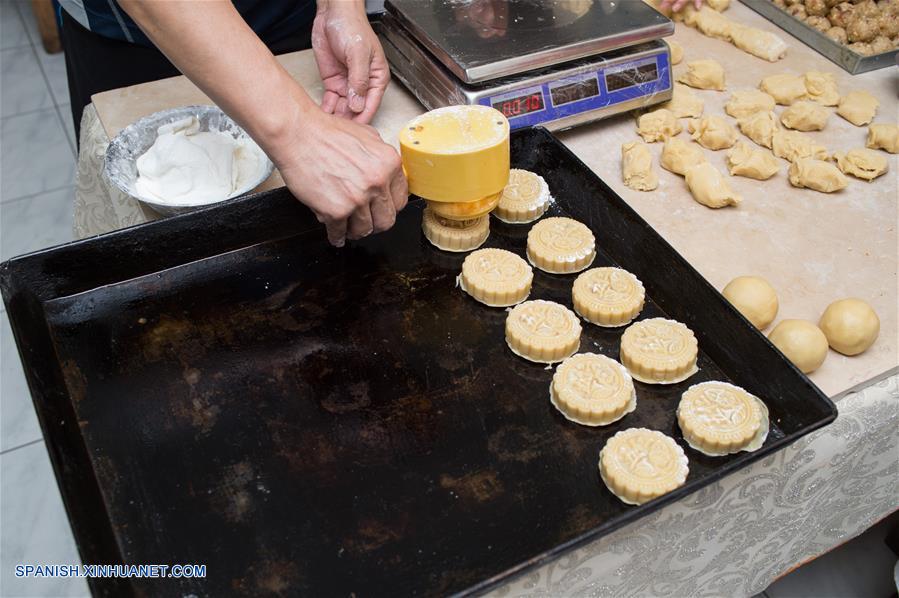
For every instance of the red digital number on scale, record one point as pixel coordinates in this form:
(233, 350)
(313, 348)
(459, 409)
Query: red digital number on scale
(522, 105)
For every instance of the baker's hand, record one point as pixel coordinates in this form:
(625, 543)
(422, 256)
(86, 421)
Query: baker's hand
(677, 5)
(347, 175)
(350, 60)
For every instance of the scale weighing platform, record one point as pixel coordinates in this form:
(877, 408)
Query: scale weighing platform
(540, 62)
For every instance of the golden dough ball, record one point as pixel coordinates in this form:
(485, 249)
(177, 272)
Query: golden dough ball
(868, 8)
(780, 4)
(839, 15)
(862, 28)
(850, 325)
(889, 25)
(754, 297)
(819, 23)
(880, 44)
(816, 8)
(798, 11)
(837, 34)
(863, 48)
(802, 342)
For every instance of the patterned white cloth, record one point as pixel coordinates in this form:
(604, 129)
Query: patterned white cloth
(733, 538)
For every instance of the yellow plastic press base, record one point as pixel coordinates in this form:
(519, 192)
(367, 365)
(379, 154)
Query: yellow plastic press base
(457, 154)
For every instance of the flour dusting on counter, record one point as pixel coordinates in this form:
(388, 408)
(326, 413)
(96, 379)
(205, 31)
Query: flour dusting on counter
(185, 164)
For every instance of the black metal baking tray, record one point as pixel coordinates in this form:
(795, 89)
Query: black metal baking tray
(850, 61)
(224, 388)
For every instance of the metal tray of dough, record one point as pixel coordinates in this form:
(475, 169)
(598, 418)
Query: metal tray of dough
(224, 388)
(850, 61)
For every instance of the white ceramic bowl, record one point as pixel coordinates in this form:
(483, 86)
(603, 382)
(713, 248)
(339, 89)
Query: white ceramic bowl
(120, 163)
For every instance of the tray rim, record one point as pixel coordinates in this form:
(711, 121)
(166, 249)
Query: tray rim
(24, 291)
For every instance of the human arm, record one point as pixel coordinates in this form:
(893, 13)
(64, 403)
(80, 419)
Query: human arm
(342, 170)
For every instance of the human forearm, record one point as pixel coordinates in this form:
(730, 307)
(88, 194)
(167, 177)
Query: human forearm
(212, 45)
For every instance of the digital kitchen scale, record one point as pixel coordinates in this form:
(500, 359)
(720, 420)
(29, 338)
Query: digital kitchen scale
(539, 62)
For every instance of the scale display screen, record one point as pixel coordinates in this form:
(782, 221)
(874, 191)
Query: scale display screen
(525, 104)
(632, 76)
(572, 92)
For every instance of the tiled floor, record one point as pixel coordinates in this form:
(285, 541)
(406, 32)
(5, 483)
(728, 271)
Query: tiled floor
(37, 165)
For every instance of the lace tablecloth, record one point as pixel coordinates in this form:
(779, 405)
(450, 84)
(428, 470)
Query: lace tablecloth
(732, 538)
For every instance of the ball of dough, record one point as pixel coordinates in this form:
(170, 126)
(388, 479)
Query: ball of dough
(802, 342)
(837, 34)
(816, 7)
(819, 23)
(862, 28)
(850, 325)
(753, 297)
(839, 15)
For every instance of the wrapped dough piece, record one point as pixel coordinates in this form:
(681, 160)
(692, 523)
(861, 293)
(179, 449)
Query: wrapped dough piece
(821, 88)
(679, 156)
(636, 167)
(710, 22)
(883, 136)
(744, 102)
(751, 162)
(712, 132)
(817, 174)
(710, 188)
(760, 127)
(684, 103)
(677, 52)
(805, 116)
(759, 43)
(793, 145)
(862, 163)
(658, 125)
(704, 74)
(858, 107)
(784, 88)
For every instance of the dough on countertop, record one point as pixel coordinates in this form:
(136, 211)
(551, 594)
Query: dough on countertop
(679, 156)
(792, 145)
(822, 88)
(862, 163)
(805, 116)
(677, 52)
(883, 136)
(858, 107)
(712, 132)
(754, 297)
(801, 342)
(759, 43)
(850, 325)
(684, 103)
(751, 162)
(719, 5)
(704, 74)
(784, 88)
(709, 187)
(710, 22)
(638, 465)
(744, 102)
(658, 125)
(817, 174)
(760, 127)
(636, 167)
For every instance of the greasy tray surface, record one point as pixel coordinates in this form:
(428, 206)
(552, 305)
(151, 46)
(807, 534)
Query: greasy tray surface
(337, 421)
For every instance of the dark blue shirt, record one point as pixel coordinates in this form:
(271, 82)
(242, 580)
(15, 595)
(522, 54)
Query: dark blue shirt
(272, 20)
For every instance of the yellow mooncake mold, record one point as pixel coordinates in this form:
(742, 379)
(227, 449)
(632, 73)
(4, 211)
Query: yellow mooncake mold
(561, 246)
(524, 199)
(593, 390)
(659, 351)
(608, 296)
(543, 331)
(496, 277)
(638, 465)
(454, 235)
(718, 418)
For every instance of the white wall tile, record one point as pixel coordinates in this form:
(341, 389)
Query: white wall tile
(35, 526)
(34, 155)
